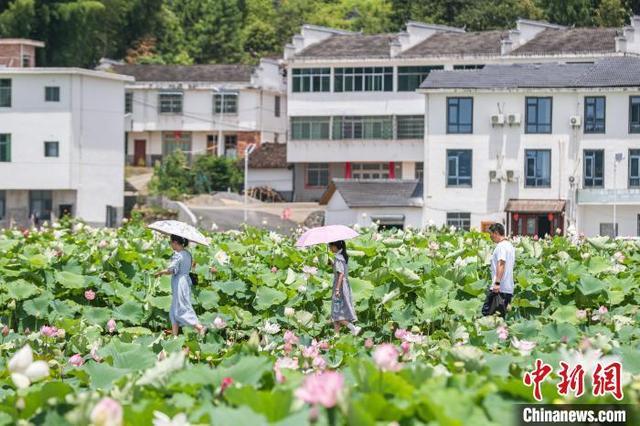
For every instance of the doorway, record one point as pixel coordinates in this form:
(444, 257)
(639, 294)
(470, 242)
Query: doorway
(536, 224)
(140, 152)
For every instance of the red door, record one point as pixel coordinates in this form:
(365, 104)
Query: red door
(139, 152)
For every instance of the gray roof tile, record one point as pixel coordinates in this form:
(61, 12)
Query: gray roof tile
(376, 192)
(570, 40)
(350, 46)
(191, 73)
(605, 72)
(454, 43)
(269, 156)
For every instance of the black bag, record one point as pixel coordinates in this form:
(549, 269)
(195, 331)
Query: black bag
(194, 278)
(497, 304)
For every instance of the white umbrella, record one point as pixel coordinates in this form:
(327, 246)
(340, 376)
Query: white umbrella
(181, 229)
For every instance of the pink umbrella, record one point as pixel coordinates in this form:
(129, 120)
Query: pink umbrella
(325, 234)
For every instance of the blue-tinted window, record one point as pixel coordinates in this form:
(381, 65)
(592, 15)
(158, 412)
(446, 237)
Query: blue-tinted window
(459, 115)
(538, 115)
(594, 114)
(459, 167)
(537, 168)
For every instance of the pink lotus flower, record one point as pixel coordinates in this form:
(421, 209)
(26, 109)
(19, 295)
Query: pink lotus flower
(5, 331)
(309, 270)
(322, 388)
(94, 353)
(111, 326)
(524, 346)
(319, 363)
(368, 344)
(406, 347)
(324, 345)
(581, 314)
(274, 269)
(408, 336)
(287, 348)
(284, 363)
(503, 332)
(400, 333)
(219, 323)
(311, 351)
(290, 338)
(619, 257)
(49, 331)
(89, 295)
(602, 310)
(434, 246)
(386, 357)
(76, 360)
(107, 412)
(103, 244)
(226, 382)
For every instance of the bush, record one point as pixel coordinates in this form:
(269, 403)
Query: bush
(175, 178)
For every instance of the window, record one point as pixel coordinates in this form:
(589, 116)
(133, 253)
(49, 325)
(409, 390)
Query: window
(212, 145)
(468, 67)
(170, 103)
(40, 204)
(374, 170)
(311, 79)
(537, 168)
(634, 112)
(375, 127)
(128, 103)
(606, 229)
(276, 106)
(5, 92)
(410, 78)
(5, 147)
(410, 126)
(226, 103)
(317, 174)
(231, 146)
(52, 94)
(459, 220)
(420, 170)
(538, 115)
(26, 61)
(593, 168)
(594, 114)
(3, 204)
(176, 141)
(310, 128)
(634, 168)
(459, 167)
(367, 79)
(51, 149)
(459, 115)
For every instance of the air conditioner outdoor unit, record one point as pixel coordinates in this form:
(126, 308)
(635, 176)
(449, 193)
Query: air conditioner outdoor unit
(497, 119)
(513, 119)
(575, 121)
(512, 176)
(494, 176)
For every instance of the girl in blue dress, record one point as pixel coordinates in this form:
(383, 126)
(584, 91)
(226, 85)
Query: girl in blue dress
(181, 312)
(342, 310)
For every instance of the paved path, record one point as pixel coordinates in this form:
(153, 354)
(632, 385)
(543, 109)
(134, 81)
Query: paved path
(232, 218)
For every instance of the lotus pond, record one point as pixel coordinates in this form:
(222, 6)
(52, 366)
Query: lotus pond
(83, 328)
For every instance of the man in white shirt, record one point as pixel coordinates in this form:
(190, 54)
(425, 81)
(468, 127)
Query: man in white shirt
(502, 262)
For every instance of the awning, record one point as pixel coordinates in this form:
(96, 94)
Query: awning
(388, 219)
(535, 206)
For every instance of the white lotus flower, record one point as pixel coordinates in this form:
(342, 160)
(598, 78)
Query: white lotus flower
(161, 419)
(221, 257)
(24, 370)
(289, 311)
(452, 229)
(588, 359)
(430, 223)
(524, 346)
(302, 289)
(214, 227)
(219, 323)
(276, 238)
(271, 328)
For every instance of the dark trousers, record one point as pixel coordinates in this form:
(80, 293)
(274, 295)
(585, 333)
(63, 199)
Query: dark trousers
(503, 308)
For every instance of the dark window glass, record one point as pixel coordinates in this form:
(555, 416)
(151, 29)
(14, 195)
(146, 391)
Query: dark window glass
(276, 106)
(40, 204)
(468, 67)
(363, 127)
(459, 167)
(459, 220)
(367, 79)
(410, 78)
(52, 94)
(231, 146)
(5, 92)
(51, 149)
(311, 79)
(5, 147)
(593, 168)
(226, 103)
(170, 103)
(128, 103)
(459, 115)
(538, 115)
(410, 126)
(634, 168)
(594, 114)
(537, 167)
(310, 128)
(317, 174)
(634, 113)
(3, 204)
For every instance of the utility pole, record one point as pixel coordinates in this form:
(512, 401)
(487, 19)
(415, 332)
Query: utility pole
(618, 158)
(247, 152)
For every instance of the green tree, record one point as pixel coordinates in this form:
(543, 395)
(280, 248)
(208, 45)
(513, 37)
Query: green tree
(569, 12)
(610, 13)
(369, 16)
(18, 19)
(172, 177)
(488, 15)
(211, 173)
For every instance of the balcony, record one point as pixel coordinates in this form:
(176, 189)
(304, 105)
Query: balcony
(355, 150)
(624, 196)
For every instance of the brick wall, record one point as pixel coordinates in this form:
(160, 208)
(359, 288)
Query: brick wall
(10, 55)
(245, 138)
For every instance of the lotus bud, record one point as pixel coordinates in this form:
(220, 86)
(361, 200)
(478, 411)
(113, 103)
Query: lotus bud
(289, 312)
(5, 331)
(107, 412)
(11, 305)
(20, 404)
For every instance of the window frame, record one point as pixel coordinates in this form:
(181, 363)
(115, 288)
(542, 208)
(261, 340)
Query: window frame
(594, 167)
(57, 149)
(231, 146)
(128, 103)
(311, 121)
(408, 72)
(7, 147)
(414, 122)
(3, 203)
(48, 201)
(52, 93)
(634, 154)
(171, 103)
(361, 78)
(526, 168)
(311, 80)
(634, 128)
(537, 123)
(468, 67)
(463, 218)
(316, 168)
(6, 92)
(362, 127)
(170, 143)
(457, 124)
(457, 175)
(226, 103)
(277, 106)
(595, 130)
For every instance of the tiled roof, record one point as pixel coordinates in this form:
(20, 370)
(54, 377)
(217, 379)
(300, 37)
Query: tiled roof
(190, 73)
(376, 192)
(570, 40)
(621, 71)
(455, 43)
(350, 46)
(535, 206)
(269, 156)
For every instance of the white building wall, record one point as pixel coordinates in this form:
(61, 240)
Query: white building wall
(338, 212)
(278, 179)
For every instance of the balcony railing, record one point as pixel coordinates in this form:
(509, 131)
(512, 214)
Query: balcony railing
(607, 196)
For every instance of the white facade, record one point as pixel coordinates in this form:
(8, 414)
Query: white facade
(339, 213)
(501, 149)
(336, 152)
(87, 174)
(260, 116)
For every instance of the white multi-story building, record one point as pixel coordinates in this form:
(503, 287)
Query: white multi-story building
(352, 105)
(202, 109)
(538, 147)
(61, 143)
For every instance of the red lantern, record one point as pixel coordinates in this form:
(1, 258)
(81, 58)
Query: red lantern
(516, 216)
(177, 134)
(550, 217)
